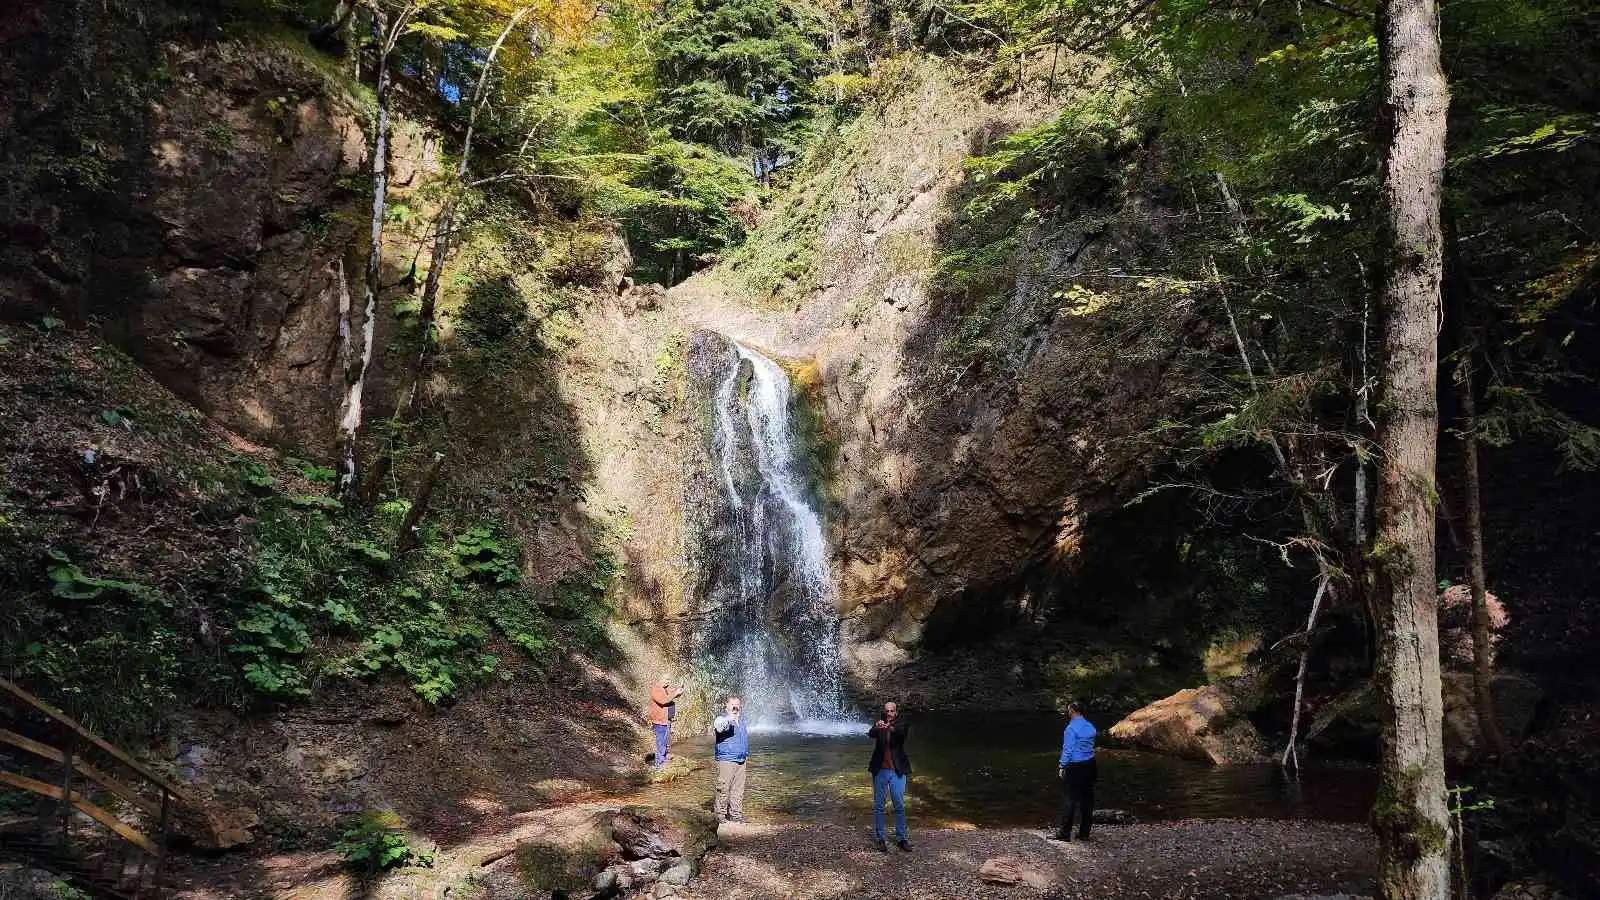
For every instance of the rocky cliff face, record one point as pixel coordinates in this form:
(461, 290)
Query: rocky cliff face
(960, 496)
(224, 233)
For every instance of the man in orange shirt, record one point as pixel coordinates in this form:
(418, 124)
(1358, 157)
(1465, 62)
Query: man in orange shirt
(663, 708)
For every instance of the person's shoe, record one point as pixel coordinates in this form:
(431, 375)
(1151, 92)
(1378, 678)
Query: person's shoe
(1061, 836)
(1083, 838)
(883, 846)
(905, 845)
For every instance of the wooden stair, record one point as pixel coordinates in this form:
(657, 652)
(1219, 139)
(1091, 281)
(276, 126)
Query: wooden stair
(104, 819)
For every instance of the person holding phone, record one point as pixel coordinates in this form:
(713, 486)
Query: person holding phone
(890, 768)
(732, 750)
(663, 709)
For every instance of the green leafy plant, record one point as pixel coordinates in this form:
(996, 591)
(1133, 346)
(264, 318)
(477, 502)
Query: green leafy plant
(378, 843)
(71, 583)
(220, 139)
(122, 415)
(478, 554)
(257, 476)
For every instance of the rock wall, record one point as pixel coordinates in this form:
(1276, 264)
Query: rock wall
(235, 196)
(960, 499)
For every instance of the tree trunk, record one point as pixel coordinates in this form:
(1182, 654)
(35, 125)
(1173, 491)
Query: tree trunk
(356, 377)
(1410, 814)
(1482, 628)
(419, 506)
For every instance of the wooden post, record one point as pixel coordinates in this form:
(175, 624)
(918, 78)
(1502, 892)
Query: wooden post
(162, 838)
(66, 787)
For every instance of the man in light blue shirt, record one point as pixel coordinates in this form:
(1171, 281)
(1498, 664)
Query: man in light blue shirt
(1077, 771)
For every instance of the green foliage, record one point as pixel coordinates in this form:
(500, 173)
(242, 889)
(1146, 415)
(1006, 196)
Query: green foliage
(379, 843)
(123, 415)
(220, 139)
(63, 890)
(1519, 411)
(681, 209)
(720, 65)
(107, 646)
(479, 555)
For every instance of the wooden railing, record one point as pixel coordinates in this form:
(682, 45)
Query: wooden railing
(52, 763)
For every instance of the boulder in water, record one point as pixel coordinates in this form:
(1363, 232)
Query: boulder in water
(1204, 723)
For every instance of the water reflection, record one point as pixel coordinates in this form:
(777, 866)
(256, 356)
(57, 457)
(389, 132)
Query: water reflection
(1000, 771)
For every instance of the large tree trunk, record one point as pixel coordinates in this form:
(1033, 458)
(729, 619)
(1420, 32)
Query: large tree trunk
(356, 377)
(1482, 628)
(1410, 814)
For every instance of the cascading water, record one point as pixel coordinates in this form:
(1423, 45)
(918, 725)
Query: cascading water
(770, 627)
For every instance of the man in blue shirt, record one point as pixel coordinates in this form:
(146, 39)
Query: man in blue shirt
(733, 748)
(1077, 771)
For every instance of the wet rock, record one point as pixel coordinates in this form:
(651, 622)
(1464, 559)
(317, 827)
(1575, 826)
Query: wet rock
(22, 882)
(605, 883)
(680, 874)
(1197, 723)
(645, 869)
(1348, 725)
(637, 837)
(1007, 871)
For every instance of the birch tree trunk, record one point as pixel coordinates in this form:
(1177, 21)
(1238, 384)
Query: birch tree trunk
(356, 375)
(1410, 814)
(1482, 628)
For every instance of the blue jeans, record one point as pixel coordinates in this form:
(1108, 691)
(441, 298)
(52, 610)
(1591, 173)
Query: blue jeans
(662, 733)
(886, 784)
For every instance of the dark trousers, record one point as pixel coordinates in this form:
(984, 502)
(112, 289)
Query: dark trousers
(1078, 797)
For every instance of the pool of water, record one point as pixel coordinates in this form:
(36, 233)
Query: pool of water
(1000, 771)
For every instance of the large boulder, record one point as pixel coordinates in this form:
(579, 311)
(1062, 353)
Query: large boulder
(1516, 699)
(1348, 724)
(1205, 723)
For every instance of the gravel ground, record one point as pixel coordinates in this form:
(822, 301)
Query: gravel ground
(1192, 859)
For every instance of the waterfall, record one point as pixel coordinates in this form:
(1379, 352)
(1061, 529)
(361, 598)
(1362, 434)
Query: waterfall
(770, 629)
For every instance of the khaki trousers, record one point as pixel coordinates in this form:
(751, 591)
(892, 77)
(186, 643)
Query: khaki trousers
(730, 789)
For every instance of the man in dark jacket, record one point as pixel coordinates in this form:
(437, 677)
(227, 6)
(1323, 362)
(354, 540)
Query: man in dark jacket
(889, 767)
